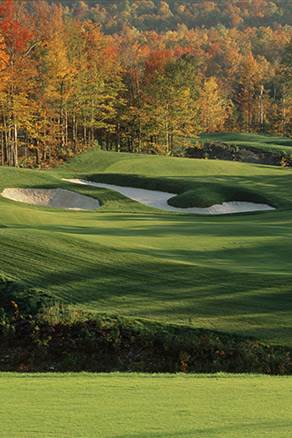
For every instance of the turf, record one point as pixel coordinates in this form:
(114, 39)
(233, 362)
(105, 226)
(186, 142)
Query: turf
(267, 143)
(152, 406)
(226, 273)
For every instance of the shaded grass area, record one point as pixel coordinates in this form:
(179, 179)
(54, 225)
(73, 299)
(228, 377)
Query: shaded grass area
(191, 193)
(226, 273)
(158, 166)
(267, 143)
(144, 406)
(34, 338)
(179, 175)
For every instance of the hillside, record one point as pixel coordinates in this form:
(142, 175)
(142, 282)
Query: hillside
(145, 225)
(230, 273)
(164, 15)
(76, 85)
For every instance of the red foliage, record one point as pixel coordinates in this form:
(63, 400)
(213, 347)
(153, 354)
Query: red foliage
(214, 49)
(16, 36)
(157, 60)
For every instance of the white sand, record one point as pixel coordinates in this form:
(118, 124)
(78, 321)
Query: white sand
(54, 198)
(158, 199)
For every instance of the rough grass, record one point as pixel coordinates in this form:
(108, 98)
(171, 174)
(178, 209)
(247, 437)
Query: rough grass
(38, 335)
(226, 273)
(144, 406)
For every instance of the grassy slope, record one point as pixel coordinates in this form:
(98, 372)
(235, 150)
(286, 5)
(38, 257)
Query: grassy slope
(263, 142)
(142, 406)
(229, 273)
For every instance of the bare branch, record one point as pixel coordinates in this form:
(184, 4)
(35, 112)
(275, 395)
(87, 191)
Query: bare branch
(31, 48)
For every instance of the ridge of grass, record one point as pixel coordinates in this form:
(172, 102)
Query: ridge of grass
(189, 194)
(39, 334)
(266, 143)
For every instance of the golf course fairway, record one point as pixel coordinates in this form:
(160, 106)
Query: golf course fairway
(144, 406)
(230, 273)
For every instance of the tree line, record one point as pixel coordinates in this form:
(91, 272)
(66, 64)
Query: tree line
(164, 15)
(66, 85)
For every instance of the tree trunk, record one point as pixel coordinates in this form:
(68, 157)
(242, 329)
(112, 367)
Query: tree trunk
(261, 104)
(2, 150)
(119, 138)
(15, 146)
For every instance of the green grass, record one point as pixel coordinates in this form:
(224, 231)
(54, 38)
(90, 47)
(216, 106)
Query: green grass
(206, 195)
(267, 143)
(144, 406)
(190, 192)
(226, 273)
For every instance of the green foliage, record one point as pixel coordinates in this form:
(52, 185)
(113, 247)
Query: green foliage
(17, 298)
(167, 15)
(117, 344)
(67, 83)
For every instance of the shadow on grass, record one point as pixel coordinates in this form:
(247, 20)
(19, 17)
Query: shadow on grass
(270, 188)
(238, 428)
(147, 283)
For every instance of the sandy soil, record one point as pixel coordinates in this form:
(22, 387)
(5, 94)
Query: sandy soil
(54, 198)
(159, 200)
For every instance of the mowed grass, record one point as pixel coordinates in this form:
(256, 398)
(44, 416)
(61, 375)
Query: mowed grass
(144, 406)
(267, 143)
(230, 273)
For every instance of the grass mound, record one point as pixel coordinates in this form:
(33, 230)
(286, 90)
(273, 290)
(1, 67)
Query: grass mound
(39, 334)
(140, 181)
(266, 143)
(232, 274)
(205, 195)
(17, 298)
(105, 344)
(190, 194)
(250, 148)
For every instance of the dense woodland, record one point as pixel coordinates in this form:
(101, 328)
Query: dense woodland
(164, 15)
(76, 73)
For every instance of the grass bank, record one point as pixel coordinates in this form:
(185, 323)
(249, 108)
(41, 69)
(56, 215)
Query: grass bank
(253, 148)
(231, 274)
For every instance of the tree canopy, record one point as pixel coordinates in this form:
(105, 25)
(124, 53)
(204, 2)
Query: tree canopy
(164, 15)
(66, 82)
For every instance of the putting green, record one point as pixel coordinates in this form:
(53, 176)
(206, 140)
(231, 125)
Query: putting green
(227, 273)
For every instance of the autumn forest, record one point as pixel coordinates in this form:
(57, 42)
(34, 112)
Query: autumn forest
(72, 77)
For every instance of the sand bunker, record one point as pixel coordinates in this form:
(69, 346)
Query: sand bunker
(54, 198)
(158, 199)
